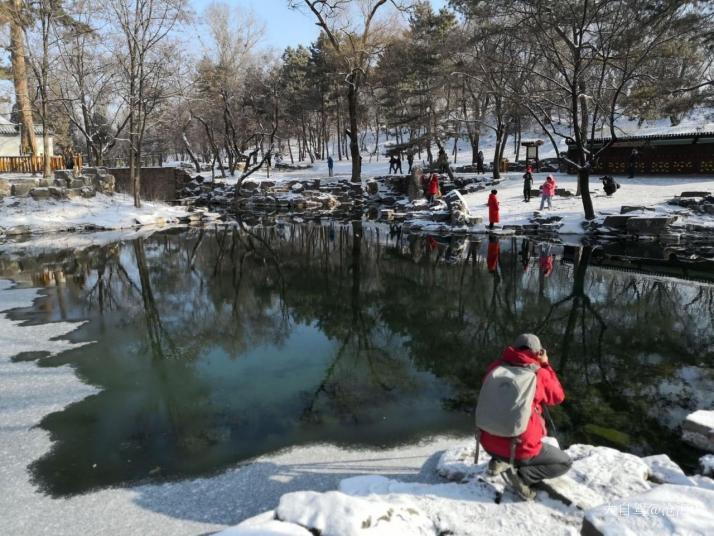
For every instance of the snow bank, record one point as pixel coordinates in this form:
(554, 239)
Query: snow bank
(667, 509)
(706, 464)
(664, 471)
(24, 215)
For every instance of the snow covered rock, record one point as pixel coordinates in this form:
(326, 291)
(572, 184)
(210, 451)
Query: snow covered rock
(337, 514)
(265, 525)
(698, 430)
(664, 471)
(666, 509)
(706, 464)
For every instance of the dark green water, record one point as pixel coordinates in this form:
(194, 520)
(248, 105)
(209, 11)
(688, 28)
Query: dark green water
(213, 347)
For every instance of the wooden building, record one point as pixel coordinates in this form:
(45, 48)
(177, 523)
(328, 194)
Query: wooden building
(683, 153)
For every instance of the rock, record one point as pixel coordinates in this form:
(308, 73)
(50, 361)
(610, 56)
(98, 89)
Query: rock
(5, 188)
(694, 194)
(22, 189)
(39, 194)
(474, 220)
(664, 471)
(45, 183)
(76, 183)
(459, 218)
(706, 465)
(335, 513)
(87, 192)
(698, 430)
(18, 230)
(372, 187)
(455, 201)
(72, 193)
(617, 222)
(58, 193)
(627, 209)
(564, 192)
(666, 509)
(386, 214)
(264, 185)
(649, 226)
(414, 189)
(64, 175)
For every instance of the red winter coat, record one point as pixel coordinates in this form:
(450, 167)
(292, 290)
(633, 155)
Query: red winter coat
(433, 185)
(549, 187)
(548, 391)
(493, 209)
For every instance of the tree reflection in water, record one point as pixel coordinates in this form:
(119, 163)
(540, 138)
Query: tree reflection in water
(217, 346)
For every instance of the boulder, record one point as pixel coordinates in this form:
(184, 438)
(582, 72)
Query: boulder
(87, 192)
(72, 193)
(372, 187)
(414, 189)
(18, 230)
(649, 226)
(5, 188)
(76, 183)
(22, 189)
(45, 183)
(564, 192)
(39, 194)
(625, 209)
(386, 214)
(455, 201)
(64, 175)
(695, 194)
(664, 471)
(459, 217)
(58, 193)
(698, 430)
(264, 185)
(617, 222)
(666, 509)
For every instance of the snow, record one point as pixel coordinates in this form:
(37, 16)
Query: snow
(666, 509)
(99, 212)
(698, 430)
(664, 471)
(650, 191)
(706, 464)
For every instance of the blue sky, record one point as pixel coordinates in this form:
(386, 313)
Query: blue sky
(284, 27)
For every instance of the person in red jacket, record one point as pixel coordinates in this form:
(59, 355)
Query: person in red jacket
(547, 192)
(433, 187)
(493, 209)
(534, 460)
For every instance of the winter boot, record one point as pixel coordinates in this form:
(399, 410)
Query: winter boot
(521, 488)
(496, 467)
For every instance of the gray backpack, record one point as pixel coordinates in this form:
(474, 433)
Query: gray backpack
(505, 403)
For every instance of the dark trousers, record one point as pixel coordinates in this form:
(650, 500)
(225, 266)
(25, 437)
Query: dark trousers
(526, 192)
(550, 463)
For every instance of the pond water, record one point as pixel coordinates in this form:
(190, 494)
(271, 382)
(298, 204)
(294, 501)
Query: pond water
(216, 346)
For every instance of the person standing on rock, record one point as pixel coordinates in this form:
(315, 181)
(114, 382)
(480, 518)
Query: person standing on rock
(330, 166)
(547, 192)
(509, 416)
(432, 189)
(527, 184)
(493, 209)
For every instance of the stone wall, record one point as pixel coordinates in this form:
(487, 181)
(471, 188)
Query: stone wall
(157, 183)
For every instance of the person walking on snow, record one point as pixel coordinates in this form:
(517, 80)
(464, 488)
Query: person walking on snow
(398, 164)
(433, 187)
(493, 209)
(527, 184)
(410, 161)
(479, 162)
(521, 382)
(547, 192)
(330, 166)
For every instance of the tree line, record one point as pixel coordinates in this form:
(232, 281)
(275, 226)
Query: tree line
(119, 80)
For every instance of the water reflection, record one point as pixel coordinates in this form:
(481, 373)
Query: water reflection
(217, 346)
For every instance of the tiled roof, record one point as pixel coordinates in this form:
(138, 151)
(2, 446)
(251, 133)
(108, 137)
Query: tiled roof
(13, 130)
(659, 136)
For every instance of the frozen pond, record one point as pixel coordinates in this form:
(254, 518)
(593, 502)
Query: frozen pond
(212, 347)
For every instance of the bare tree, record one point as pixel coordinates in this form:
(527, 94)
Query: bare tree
(144, 26)
(356, 35)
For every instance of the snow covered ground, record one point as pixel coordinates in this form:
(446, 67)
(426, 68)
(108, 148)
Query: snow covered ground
(101, 212)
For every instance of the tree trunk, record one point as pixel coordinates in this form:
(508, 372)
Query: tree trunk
(28, 145)
(584, 186)
(352, 98)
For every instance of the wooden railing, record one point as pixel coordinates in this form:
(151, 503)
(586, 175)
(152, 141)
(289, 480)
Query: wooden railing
(35, 164)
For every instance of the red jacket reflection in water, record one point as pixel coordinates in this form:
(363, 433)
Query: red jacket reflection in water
(494, 250)
(548, 391)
